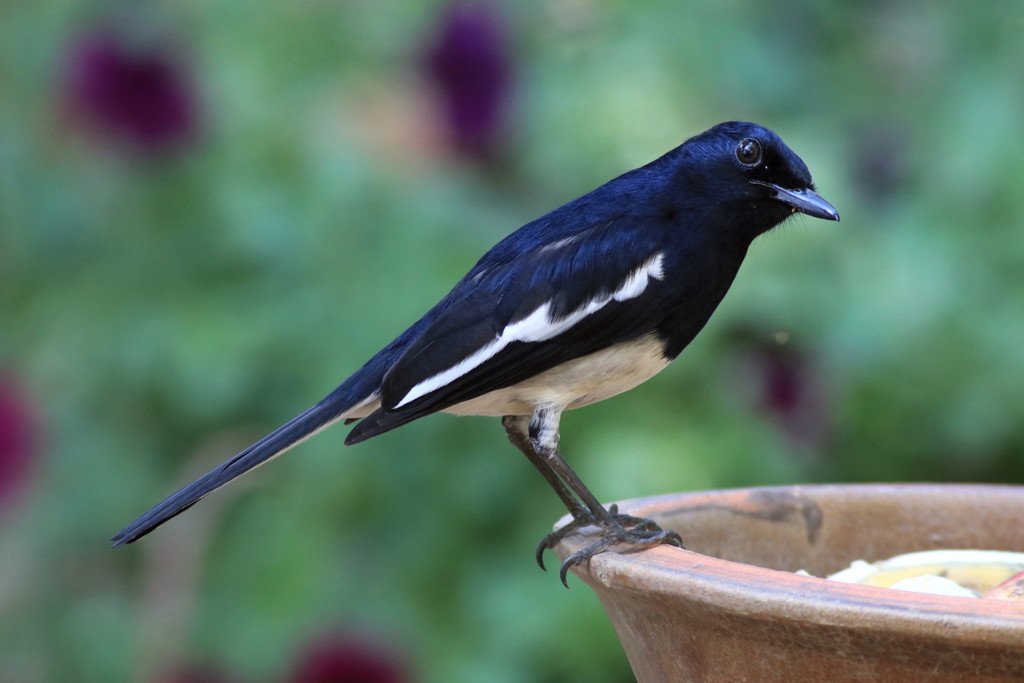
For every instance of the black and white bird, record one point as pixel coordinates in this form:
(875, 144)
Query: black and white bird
(575, 307)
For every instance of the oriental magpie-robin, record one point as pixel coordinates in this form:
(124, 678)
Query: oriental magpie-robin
(582, 304)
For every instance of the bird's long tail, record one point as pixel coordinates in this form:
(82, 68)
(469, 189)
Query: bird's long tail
(320, 416)
(355, 398)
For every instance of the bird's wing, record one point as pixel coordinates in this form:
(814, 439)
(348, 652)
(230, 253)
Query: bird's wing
(516, 315)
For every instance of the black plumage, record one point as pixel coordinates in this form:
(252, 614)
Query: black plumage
(576, 306)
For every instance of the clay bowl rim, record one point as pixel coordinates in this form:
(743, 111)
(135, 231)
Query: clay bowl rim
(670, 574)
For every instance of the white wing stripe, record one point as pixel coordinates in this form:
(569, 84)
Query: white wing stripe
(539, 326)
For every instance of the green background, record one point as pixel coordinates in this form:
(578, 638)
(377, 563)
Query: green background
(163, 314)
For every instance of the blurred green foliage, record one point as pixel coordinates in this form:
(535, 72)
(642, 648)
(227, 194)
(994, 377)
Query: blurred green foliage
(164, 312)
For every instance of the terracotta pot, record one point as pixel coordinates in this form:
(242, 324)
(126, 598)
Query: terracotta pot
(729, 607)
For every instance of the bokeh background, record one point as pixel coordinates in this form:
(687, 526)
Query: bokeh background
(212, 212)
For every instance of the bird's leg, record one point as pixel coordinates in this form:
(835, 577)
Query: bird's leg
(517, 430)
(630, 533)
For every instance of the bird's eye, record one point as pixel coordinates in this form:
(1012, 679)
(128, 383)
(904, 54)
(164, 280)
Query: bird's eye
(749, 152)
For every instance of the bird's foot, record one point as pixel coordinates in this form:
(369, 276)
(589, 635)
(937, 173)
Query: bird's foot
(624, 540)
(581, 520)
(638, 533)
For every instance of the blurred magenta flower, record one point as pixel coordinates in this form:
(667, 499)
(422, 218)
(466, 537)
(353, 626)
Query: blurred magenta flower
(783, 382)
(791, 391)
(131, 91)
(341, 658)
(19, 438)
(469, 63)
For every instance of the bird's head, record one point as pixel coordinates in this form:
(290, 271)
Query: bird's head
(752, 175)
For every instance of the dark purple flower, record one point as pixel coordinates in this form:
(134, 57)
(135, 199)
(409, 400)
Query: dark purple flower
(791, 393)
(19, 438)
(133, 92)
(470, 65)
(346, 659)
(784, 383)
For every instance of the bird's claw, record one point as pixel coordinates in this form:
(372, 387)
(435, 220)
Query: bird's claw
(637, 533)
(629, 540)
(581, 521)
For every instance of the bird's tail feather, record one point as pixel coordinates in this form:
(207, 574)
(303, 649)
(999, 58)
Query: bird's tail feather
(320, 416)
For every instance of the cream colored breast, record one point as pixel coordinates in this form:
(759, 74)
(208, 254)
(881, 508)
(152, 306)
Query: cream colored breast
(577, 383)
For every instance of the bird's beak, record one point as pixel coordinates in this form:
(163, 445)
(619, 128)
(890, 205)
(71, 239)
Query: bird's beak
(805, 201)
